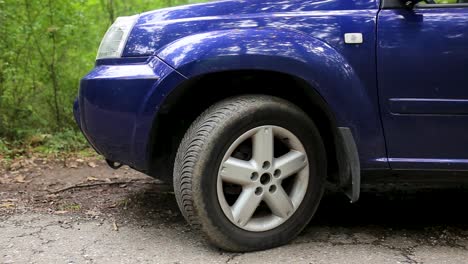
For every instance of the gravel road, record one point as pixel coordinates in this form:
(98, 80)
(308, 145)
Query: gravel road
(87, 213)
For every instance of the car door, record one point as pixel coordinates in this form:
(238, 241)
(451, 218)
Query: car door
(422, 63)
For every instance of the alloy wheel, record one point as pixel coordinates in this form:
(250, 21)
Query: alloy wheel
(263, 178)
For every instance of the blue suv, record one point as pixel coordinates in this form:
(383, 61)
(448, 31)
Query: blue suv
(251, 107)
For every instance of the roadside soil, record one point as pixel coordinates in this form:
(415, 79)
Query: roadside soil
(81, 211)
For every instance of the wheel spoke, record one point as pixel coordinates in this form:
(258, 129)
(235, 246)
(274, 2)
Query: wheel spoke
(279, 202)
(245, 206)
(290, 163)
(237, 171)
(263, 146)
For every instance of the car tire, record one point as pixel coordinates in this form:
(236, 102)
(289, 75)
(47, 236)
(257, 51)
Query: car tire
(204, 163)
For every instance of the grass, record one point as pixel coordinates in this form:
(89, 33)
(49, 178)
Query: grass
(64, 143)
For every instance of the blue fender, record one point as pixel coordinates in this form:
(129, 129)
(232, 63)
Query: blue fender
(289, 52)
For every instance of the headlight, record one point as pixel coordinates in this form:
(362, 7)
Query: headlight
(114, 41)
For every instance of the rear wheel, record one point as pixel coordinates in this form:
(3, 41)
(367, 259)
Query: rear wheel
(250, 173)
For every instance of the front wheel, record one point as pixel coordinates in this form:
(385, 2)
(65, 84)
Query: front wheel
(250, 172)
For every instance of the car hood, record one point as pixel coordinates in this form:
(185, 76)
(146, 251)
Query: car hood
(158, 28)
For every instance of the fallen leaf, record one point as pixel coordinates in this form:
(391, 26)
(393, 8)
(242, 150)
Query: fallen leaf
(79, 160)
(72, 165)
(9, 200)
(92, 164)
(60, 212)
(20, 179)
(91, 178)
(7, 205)
(16, 165)
(116, 228)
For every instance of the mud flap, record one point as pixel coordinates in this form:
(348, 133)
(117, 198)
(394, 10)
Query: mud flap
(351, 182)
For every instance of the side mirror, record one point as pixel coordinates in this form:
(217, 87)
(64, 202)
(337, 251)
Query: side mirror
(411, 3)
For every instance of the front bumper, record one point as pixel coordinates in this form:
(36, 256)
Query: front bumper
(111, 104)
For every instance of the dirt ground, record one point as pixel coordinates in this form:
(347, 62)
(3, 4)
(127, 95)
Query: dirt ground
(82, 211)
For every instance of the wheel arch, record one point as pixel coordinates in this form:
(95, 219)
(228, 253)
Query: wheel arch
(186, 102)
(322, 79)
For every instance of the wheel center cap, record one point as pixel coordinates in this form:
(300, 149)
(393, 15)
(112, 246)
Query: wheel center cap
(265, 178)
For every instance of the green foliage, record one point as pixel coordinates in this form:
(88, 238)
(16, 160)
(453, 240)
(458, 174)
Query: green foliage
(45, 48)
(65, 141)
(58, 143)
(4, 147)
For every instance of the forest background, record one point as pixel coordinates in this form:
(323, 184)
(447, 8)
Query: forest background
(46, 46)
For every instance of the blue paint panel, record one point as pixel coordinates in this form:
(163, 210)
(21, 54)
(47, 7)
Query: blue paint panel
(300, 55)
(109, 98)
(159, 28)
(120, 98)
(423, 54)
(233, 35)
